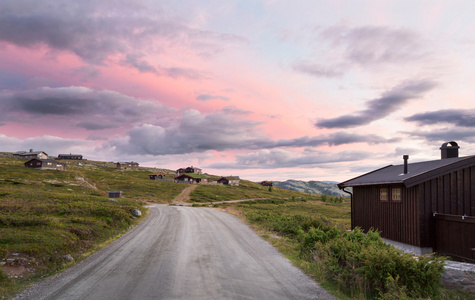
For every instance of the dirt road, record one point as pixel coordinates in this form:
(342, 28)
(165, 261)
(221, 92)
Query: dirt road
(183, 253)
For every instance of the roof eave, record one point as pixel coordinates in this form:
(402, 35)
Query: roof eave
(344, 184)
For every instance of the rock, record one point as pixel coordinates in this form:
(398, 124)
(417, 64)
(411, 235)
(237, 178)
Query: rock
(459, 275)
(136, 212)
(112, 200)
(68, 257)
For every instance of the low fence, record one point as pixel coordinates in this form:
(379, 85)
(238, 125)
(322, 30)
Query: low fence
(455, 236)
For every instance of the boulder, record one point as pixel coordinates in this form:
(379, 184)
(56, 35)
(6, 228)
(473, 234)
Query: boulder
(136, 212)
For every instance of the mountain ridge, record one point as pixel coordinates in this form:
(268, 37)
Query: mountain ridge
(312, 187)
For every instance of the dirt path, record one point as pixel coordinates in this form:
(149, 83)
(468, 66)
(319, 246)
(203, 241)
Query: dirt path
(184, 196)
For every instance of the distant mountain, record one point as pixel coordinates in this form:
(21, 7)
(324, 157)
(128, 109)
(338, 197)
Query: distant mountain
(312, 187)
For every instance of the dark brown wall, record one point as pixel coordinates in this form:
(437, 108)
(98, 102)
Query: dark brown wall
(451, 194)
(397, 221)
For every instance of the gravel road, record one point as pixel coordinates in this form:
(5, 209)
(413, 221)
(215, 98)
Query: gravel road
(183, 253)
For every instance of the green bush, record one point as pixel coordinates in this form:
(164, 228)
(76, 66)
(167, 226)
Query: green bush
(364, 264)
(3, 276)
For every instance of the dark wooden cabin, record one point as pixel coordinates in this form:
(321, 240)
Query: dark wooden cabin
(70, 156)
(192, 178)
(424, 207)
(189, 170)
(115, 194)
(229, 181)
(44, 164)
(128, 165)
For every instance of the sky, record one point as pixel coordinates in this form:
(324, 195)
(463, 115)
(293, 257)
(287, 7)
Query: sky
(264, 90)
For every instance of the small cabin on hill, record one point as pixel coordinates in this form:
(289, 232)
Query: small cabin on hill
(157, 176)
(192, 178)
(189, 170)
(229, 181)
(44, 164)
(115, 194)
(30, 154)
(70, 156)
(422, 207)
(128, 165)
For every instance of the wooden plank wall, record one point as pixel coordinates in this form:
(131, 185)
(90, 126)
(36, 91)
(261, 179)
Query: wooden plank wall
(455, 237)
(452, 194)
(396, 221)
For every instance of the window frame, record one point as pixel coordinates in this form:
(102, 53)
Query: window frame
(399, 193)
(386, 198)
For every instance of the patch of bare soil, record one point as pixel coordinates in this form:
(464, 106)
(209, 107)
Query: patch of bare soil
(18, 265)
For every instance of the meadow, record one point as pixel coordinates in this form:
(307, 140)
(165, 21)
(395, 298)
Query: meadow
(50, 220)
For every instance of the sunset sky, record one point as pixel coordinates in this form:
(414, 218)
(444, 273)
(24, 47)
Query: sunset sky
(264, 90)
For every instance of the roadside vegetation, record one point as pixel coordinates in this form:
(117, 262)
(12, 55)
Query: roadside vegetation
(315, 235)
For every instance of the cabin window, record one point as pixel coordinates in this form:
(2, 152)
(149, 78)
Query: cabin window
(396, 194)
(383, 194)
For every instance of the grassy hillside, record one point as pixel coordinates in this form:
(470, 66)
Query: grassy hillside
(245, 190)
(51, 219)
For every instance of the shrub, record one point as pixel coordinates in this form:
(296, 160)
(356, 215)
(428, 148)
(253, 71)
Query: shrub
(361, 263)
(3, 276)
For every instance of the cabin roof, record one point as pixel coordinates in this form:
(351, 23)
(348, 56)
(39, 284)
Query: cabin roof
(417, 172)
(44, 160)
(192, 175)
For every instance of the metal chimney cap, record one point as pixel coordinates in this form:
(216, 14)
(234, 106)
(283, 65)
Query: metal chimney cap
(451, 151)
(453, 145)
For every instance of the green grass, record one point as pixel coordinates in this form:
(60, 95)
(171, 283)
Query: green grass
(245, 190)
(48, 214)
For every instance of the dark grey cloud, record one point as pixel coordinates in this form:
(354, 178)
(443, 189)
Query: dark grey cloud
(206, 97)
(78, 106)
(317, 70)
(441, 135)
(50, 144)
(194, 133)
(278, 158)
(98, 30)
(140, 63)
(456, 117)
(379, 108)
(333, 139)
(232, 109)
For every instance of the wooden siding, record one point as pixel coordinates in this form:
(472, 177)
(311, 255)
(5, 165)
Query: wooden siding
(451, 194)
(398, 221)
(455, 237)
